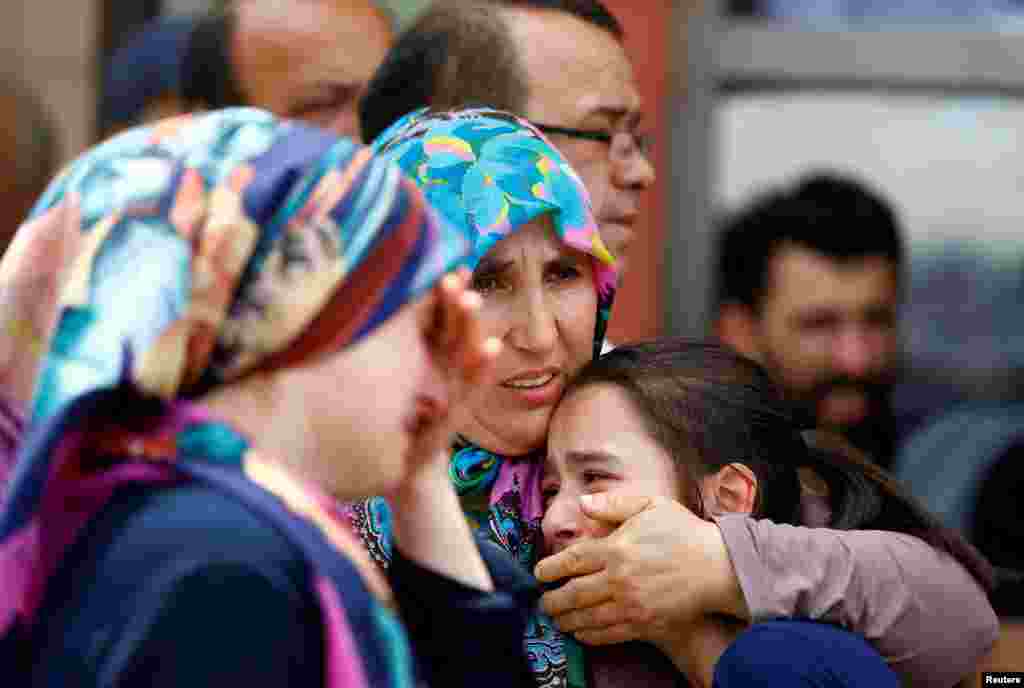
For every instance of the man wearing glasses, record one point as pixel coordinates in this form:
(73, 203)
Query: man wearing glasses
(560, 63)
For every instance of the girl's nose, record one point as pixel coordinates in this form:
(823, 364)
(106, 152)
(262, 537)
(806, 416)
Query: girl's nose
(562, 524)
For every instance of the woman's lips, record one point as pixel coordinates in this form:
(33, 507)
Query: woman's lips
(536, 387)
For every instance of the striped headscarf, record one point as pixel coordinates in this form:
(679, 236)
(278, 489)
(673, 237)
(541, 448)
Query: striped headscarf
(211, 247)
(490, 173)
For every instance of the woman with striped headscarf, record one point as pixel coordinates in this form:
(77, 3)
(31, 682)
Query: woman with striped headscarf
(258, 320)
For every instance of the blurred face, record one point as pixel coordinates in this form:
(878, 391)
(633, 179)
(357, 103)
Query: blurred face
(539, 299)
(578, 76)
(361, 440)
(309, 60)
(598, 443)
(827, 332)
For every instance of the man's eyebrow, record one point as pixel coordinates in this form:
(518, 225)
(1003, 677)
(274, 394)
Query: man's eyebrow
(609, 111)
(814, 314)
(617, 114)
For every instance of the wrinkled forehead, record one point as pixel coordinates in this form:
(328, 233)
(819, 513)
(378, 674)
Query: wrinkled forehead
(537, 235)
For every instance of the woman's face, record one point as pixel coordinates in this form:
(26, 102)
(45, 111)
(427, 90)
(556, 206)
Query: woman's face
(360, 405)
(539, 298)
(598, 443)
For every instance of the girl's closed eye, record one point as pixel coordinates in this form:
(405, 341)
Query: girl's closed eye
(548, 492)
(595, 480)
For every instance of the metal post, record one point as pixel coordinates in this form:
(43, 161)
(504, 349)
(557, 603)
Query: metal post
(690, 170)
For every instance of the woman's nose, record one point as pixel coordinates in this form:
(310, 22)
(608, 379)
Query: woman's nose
(536, 328)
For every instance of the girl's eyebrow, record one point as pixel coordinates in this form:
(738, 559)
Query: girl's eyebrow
(591, 457)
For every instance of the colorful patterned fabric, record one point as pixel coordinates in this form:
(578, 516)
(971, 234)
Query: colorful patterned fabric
(32, 273)
(490, 173)
(213, 247)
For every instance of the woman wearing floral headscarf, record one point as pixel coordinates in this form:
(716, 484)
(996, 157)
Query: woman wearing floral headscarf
(547, 284)
(222, 369)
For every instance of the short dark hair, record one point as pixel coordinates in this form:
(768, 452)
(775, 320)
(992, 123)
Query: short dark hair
(459, 53)
(829, 213)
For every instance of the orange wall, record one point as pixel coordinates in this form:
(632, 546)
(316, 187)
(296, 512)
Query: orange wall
(637, 312)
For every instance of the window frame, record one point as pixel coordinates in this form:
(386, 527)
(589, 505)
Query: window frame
(718, 57)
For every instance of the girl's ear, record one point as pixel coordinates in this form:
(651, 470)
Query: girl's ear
(732, 490)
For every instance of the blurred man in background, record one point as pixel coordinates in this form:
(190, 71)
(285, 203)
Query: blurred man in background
(145, 79)
(809, 283)
(308, 59)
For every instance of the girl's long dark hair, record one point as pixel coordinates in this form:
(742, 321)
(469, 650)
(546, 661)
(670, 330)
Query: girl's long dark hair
(709, 407)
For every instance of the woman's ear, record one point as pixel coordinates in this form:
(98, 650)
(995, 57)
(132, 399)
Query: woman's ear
(732, 490)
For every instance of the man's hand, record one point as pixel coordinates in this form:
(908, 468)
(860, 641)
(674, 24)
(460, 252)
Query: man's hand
(660, 570)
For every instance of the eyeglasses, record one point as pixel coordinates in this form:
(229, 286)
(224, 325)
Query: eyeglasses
(638, 142)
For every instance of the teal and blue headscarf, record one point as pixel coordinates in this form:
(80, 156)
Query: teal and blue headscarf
(211, 247)
(490, 173)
